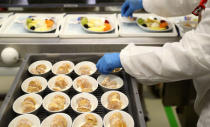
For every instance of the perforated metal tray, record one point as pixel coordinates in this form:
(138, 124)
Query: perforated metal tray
(130, 89)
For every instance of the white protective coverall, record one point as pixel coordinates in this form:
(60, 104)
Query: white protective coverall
(187, 59)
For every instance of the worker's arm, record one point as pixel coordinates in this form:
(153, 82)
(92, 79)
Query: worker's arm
(186, 59)
(170, 7)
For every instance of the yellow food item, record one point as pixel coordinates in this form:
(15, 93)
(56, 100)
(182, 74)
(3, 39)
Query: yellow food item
(85, 70)
(84, 84)
(90, 121)
(60, 83)
(84, 105)
(40, 69)
(59, 121)
(108, 83)
(64, 68)
(34, 86)
(114, 101)
(57, 103)
(116, 120)
(28, 105)
(24, 123)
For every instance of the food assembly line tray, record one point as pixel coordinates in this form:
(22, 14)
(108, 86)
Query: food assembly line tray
(72, 29)
(129, 88)
(132, 29)
(15, 26)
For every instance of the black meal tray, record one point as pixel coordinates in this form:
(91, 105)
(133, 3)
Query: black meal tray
(130, 89)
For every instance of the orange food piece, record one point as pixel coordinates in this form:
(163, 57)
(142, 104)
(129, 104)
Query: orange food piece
(107, 27)
(49, 22)
(163, 25)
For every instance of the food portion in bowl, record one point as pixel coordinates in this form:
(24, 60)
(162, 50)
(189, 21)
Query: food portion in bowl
(63, 67)
(154, 24)
(85, 70)
(60, 83)
(24, 123)
(59, 121)
(57, 103)
(96, 24)
(84, 84)
(116, 120)
(109, 83)
(40, 24)
(114, 101)
(28, 105)
(90, 121)
(84, 105)
(34, 86)
(40, 67)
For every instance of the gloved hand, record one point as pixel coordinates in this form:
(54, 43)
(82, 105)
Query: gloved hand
(109, 62)
(129, 6)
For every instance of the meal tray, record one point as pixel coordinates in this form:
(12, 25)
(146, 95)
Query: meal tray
(130, 89)
(133, 30)
(72, 29)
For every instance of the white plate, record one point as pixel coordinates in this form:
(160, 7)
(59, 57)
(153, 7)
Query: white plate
(46, 122)
(26, 82)
(112, 77)
(92, 80)
(123, 99)
(49, 98)
(80, 120)
(36, 63)
(58, 64)
(41, 18)
(170, 27)
(127, 118)
(93, 100)
(34, 119)
(99, 32)
(18, 102)
(51, 82)
(84, 63)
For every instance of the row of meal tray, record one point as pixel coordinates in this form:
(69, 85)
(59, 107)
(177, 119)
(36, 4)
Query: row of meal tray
(46, 25)
(84, 102)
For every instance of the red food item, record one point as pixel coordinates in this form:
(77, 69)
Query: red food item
(163, 25)
(106, 21)
(107, 27)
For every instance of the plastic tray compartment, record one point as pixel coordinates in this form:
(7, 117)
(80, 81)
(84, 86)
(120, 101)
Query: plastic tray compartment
(14, 27)
(130, 89)
(72, 29)
(132, 29)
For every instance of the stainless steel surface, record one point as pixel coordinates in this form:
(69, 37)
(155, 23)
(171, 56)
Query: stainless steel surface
(57, 45)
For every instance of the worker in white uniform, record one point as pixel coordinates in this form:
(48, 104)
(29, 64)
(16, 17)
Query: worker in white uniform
(187, 59)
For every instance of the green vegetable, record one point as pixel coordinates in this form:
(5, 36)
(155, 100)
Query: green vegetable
(141, 21)
(84, 21)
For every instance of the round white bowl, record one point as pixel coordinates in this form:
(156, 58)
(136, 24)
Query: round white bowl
(90, 79)
(24, 85)
(123, 99)
(58, 64)
(51, 82)
(45, 62)
(85, 63)
(18, 102)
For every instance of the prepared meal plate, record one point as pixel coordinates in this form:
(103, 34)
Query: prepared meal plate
(35, 84)
(57, 120)
(60, 82)
(84, 102)
(154, 24)
(40, 24)
(118, 119)
(63, 67)
(26, 120)
(114, 100)
(27, 103)
(88, 120)
(110, 81)
(56, 102)
(85, 83)
(96, 25)
(40, 67)
(85, 68)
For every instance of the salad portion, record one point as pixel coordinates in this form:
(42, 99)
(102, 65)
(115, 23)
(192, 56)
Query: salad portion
(100, 25)
(154, 24)
(39, 24)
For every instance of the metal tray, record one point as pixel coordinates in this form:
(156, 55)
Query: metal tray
(130, 89)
